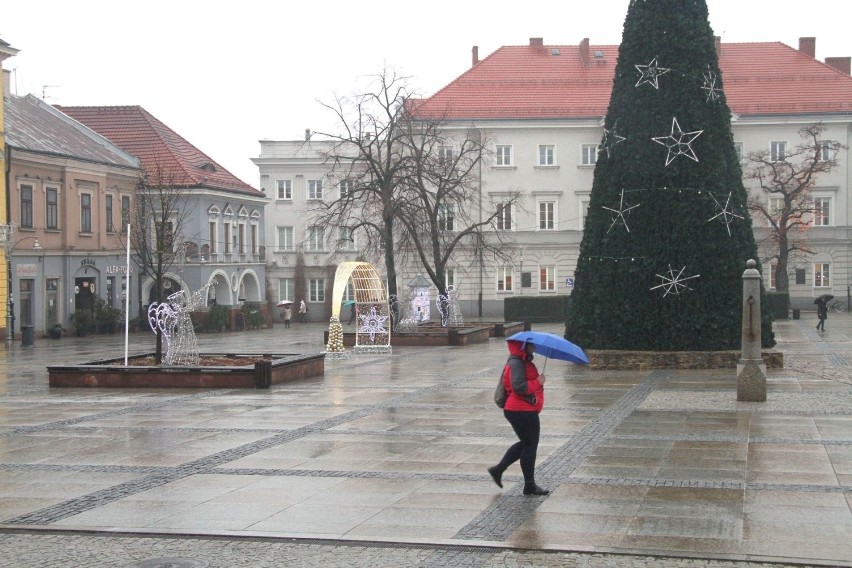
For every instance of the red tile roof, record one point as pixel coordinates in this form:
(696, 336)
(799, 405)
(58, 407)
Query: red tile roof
(530, 82)
(136, 131)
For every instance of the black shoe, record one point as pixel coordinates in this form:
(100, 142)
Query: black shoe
(496, 475)
(535, 490)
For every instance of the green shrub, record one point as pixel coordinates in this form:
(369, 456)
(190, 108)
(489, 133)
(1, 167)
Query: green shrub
(540, 309)
(217, 318)
(253, 315)
(779, 304)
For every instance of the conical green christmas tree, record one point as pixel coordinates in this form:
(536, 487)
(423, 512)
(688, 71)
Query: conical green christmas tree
(667, 234)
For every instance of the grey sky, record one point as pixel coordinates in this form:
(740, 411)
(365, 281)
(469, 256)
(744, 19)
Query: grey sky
(226, 75)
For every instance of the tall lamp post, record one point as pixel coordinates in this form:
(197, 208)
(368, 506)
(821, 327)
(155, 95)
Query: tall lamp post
(7, 232)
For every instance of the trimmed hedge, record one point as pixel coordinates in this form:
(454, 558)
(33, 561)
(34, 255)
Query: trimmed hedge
(541, 309)
(779, 304)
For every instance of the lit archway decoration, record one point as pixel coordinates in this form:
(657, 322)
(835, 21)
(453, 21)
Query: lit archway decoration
(372, 313)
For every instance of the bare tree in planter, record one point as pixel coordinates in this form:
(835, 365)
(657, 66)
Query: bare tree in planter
(785, 202)
(157, 226)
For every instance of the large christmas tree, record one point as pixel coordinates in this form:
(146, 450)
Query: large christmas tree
(668, 234)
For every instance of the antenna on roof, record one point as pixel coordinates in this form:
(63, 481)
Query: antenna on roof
(44, 89)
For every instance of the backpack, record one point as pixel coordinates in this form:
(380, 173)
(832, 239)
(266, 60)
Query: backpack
(500, 394)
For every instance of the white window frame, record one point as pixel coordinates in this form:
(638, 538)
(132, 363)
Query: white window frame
(446, 217)
(822, 216)
(445, 156)
(500, 220)
(505, 278)
(588, 154)
(346, 239)
(822, 275)
(774, 206)
(827, 151)
(739, 151)
(316, 238)
(449, 277)
(284, 189)
(549, 282)
(546, 155)
(316, 290)
(503, 155)
(777, 150)
(213, 235)
(288, 233)
(344, 188)
(542, 216)
(285, 289)
(772, 283)
(315, 190)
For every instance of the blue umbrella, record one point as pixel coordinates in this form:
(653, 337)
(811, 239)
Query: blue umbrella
(348, 303)
(553, 346)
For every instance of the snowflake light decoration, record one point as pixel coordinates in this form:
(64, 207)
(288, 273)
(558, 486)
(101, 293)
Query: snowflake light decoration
(619, 213)
(650, 74)
(611, 138)
(673, 283)
(713, 92)
(725, 212)
(679, 143)
(373, 323)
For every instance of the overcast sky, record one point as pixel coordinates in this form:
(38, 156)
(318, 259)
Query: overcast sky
(225, 75)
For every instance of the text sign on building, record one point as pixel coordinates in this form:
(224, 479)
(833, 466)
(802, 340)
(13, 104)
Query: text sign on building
(26, 270)
(117, 269)
(569, 282)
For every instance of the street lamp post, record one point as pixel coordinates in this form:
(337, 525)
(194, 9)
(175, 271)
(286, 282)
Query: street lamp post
(7, 232)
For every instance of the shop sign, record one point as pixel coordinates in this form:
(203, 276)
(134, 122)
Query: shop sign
(26, 270)
(117, 269)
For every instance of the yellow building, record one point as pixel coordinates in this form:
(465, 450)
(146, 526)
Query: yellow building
(6, 51)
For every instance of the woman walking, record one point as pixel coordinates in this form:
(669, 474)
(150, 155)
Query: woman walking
(525, 387)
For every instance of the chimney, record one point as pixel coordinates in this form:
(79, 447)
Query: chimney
(536, 41)
(842, 64)
(807, 45)
(7, 86)
(718, 41)
(307, 134)
(584, 52)
(474, 55)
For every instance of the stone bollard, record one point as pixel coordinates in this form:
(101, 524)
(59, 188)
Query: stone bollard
(751, 370)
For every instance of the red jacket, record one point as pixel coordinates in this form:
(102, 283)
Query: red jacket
(526, 393)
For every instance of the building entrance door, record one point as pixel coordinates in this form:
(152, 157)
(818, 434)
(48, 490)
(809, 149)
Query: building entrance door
(84, 296)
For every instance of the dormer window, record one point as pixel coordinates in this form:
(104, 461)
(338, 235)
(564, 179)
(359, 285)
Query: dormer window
(208, 167)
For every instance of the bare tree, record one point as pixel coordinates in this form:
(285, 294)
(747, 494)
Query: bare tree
(785, 203)
(157, 227)
(443, 212)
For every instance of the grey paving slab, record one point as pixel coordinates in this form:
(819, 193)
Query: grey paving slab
(381, 462)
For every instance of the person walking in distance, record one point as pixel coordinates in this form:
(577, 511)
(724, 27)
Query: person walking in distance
(288, 315)
(303, 312)
(525, 388)
(351, 314)
(822, 313)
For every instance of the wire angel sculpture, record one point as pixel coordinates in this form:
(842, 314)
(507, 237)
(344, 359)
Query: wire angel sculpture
(448, 307)
(404, 322)
(175, 322)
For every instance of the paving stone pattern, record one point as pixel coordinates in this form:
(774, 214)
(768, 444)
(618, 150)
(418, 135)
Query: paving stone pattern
(382, 461)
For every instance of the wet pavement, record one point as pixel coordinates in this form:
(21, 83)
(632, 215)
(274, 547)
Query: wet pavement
(381, 462)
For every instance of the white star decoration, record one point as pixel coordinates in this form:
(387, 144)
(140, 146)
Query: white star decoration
(725, 212)
(713, 92)
(650, 74)
(673, 283)
(619, 213)
(678, 142)
(611, 138)
(373, 323)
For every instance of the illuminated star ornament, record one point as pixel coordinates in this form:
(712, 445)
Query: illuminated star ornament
(611, 138)
(673, 283)
(713, 92)
(678, 142)
(619, 213)
(650, 74)
(373, 324)
(725, 212)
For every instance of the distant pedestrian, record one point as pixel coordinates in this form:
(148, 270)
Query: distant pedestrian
(303, 312)
(351, 314)
(822, 313)
(288, 315)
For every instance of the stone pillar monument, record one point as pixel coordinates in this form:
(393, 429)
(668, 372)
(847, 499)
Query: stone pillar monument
(751, 370)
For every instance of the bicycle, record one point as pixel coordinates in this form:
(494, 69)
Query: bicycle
(837, 306)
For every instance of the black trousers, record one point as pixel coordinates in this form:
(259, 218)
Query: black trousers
(528, 428)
